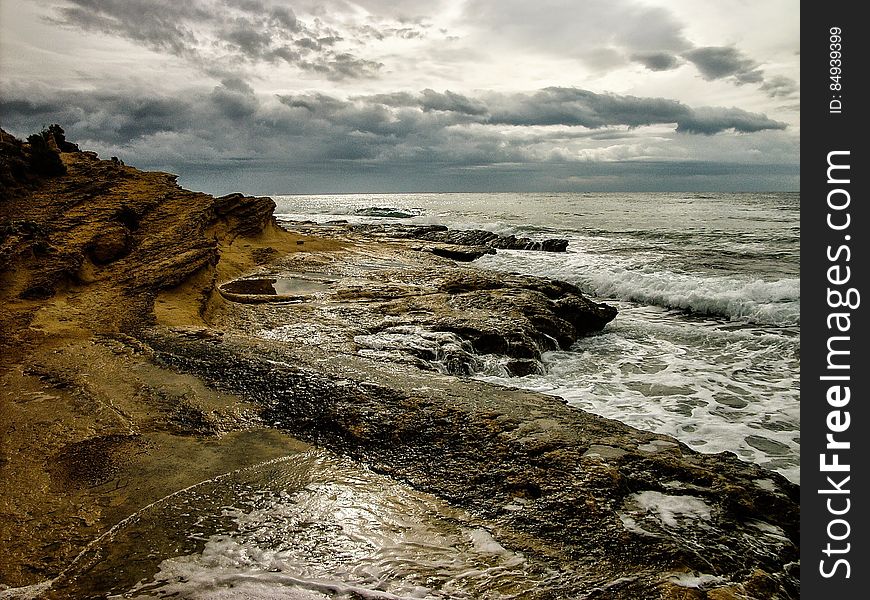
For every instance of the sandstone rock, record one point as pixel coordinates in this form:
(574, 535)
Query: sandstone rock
(248, 215)
(92, 213)
(111, 243)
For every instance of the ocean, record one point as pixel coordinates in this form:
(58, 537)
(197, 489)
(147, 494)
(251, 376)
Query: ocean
(706, 344)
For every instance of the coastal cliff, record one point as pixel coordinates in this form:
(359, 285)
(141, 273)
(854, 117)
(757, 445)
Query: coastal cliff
(154, 337)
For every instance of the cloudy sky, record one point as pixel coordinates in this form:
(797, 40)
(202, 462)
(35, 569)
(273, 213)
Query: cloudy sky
(274, 96)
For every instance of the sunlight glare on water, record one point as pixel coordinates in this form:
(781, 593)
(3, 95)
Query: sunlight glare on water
(308, 526)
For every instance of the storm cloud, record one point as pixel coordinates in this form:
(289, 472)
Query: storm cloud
(329, 95)
(428, 129)
(657, 61)
(714, 120)
(720, 62)
(223, 31)
(780, 87)
(575, 107)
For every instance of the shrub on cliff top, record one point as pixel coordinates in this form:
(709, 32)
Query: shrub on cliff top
(45, 160)
(14, 164)
(60, 139)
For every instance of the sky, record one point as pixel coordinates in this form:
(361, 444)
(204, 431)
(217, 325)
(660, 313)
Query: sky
(338, 96)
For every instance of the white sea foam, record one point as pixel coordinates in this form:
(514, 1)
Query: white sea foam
(485, 543)
(695, 580)
(640, 278)
(714, 389)
(441, 351)
(757, 301)
(29, 592)
(705, 347)
(668, 509)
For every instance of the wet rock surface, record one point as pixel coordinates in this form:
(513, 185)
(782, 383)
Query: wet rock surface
(476, 242)
(393, 298)
(368, 369)
(126, 375)
(465, 237)
(624, 511)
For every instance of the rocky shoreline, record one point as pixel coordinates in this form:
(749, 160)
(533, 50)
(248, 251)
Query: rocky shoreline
(132, 368)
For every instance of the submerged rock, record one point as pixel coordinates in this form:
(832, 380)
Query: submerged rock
(476, 238)
(459, 253)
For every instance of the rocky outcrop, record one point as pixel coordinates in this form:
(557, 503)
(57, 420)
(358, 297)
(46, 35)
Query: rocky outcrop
(475, 239)
(83, 258)
(401, 301)
(105, 222)
(458, 253)
(469, 237)
(249, 216)
(15, 169)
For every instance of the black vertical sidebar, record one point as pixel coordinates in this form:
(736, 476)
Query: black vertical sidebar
(835, 300)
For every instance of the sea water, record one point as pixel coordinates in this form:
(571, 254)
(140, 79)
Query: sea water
(706, 343)
(310, 526)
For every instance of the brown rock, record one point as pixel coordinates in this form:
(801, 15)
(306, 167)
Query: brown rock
(110, 244)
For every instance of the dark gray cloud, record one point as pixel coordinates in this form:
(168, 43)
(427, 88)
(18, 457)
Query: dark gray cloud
(449, 101)
(779, 87)
(233, 101)
(574, 107)
(228, 31)
(720, 62)
(571, 106)
(343, 65)
(713, 120)
(657, 61)
(246, 39)
(379, 136)
(430, 100)
(161, 25)
(401, 122)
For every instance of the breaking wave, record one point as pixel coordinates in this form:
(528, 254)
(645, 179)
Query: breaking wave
(640, 278)
(755, 301)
